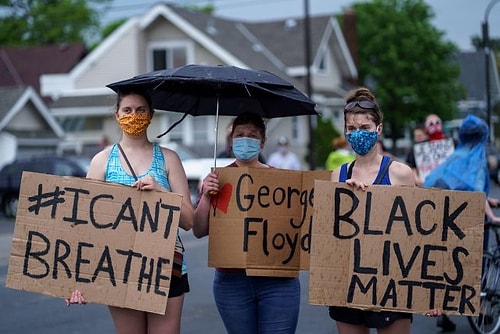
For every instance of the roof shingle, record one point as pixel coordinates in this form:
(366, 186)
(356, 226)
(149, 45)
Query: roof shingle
(20, 67)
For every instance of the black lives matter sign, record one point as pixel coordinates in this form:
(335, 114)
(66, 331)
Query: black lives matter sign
(396, 248)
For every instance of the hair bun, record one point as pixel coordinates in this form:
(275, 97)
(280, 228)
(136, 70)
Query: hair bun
(364, 92)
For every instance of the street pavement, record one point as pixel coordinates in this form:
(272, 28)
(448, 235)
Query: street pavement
(25, 312)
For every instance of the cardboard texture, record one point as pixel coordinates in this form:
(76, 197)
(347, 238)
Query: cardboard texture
(112, 242)
(261, 220)
(430, 154)
(396, 248)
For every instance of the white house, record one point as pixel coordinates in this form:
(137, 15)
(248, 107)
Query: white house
(167, 36)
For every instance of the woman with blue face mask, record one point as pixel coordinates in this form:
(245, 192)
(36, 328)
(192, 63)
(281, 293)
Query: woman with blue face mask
(248, 304)
(363, 126)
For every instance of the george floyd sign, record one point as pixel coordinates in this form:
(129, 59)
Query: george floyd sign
(110, 241)
(261, 220)
(396, 248)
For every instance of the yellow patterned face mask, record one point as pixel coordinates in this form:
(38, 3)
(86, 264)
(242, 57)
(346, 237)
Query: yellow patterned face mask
(134, 125)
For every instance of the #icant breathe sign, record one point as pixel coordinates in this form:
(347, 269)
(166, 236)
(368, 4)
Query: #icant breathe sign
(112, 242)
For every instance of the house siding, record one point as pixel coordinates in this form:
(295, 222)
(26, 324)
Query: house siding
(331, 78)
(120, 62)
(126, 53)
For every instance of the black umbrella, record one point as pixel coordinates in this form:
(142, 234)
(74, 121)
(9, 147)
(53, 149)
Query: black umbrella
(219, 90)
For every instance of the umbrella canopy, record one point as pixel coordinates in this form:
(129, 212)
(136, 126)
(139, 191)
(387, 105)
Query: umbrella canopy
(198, 90)
(219, 90)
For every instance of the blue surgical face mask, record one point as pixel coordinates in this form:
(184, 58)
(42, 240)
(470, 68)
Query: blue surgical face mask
(362, 141)
(245, 148)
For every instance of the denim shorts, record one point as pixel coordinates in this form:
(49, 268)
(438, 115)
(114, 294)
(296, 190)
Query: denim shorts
(370, 319)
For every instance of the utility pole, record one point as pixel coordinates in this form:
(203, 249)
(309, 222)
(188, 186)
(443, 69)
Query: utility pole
(307, 49)
(487, 57)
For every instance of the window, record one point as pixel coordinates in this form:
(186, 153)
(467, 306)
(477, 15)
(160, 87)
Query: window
(191, 131)
(72, 124)
(80, 123)
(201, 129)
(176, 134)
(323, 61)
(295, 129)
(168, 56)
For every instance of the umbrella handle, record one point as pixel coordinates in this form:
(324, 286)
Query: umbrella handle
(213, 192)
(216, 130)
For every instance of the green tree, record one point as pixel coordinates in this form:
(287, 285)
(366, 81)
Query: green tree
(41, 22)
(207, 9)
(405, 60)
(477, 42)
(324, 133)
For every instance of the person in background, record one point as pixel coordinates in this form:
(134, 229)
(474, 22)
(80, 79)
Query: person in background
(284, 158)
(466, 169)
(248, 304)
(433, 127)
(363, 127)
(151, 168)
(341, 154)
(419, 136)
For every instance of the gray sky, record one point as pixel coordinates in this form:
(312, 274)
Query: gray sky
(459, 19)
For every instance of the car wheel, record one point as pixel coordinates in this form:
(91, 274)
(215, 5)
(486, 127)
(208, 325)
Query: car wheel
(10, 206)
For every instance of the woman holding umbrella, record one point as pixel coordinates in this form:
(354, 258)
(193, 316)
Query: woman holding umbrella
(141, 164)
(363, 126)
(248, 304)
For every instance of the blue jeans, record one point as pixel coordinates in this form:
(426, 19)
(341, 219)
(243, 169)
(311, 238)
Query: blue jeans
(250, 304)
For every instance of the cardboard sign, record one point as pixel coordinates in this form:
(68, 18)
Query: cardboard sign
(112, 242)
(261, 220)
(429, 155)
(396, 248)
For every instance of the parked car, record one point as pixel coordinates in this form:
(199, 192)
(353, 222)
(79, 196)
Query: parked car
(10, 175)
(197, 169)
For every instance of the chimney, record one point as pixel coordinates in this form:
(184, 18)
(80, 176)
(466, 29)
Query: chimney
(350, 33)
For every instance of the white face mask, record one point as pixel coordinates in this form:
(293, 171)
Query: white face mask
(283, 149)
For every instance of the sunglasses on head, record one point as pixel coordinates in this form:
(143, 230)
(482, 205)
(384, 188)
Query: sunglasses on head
(435, 122)
(361, 104)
